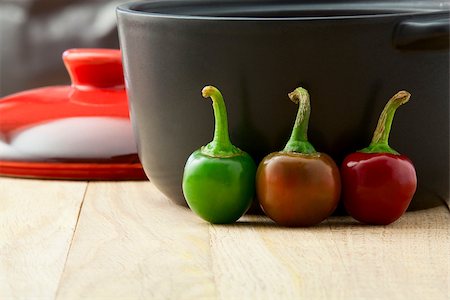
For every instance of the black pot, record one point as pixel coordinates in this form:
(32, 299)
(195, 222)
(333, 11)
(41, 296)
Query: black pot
(352, 56)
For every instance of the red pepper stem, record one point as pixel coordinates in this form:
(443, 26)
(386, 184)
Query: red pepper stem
(380, 140)
(298, 142)
(221, 145)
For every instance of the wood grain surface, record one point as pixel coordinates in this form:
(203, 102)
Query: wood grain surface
(130, 242)
(37, 222)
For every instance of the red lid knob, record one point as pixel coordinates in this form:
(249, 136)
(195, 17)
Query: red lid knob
(94, 68)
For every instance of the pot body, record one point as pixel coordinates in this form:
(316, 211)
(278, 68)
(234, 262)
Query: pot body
(351, 64)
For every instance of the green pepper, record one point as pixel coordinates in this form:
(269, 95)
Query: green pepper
(219, 178)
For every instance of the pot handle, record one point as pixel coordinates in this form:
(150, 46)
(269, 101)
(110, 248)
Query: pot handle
(429, 32)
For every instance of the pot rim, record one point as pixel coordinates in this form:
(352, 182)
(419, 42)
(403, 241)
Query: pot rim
(131, 8)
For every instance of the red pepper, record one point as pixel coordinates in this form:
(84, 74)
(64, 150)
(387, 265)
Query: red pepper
(378, 183)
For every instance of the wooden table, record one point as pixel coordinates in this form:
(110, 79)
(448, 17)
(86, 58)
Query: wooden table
(125, 240)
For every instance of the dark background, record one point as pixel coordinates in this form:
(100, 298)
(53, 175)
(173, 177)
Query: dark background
(35, 33)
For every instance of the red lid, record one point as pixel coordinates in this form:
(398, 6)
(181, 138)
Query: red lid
(94, 68)
(80, 131)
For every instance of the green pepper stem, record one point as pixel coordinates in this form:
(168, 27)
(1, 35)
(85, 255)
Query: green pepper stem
(380, 140)
(298, 142)
(221, 145)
